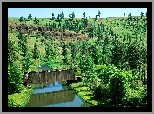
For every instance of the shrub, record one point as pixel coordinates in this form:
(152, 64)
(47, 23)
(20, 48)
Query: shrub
(86, 64)
(104, 72)
(135, 97)
(100, 68)
(14, 79)
(91, 80)
(136, 84)
(118, 86)
(77, 71)
(101, 92)
(19, 99)
(14, 72)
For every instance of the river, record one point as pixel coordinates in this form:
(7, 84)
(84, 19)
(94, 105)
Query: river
(55, 95)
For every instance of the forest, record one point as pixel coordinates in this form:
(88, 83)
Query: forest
(109, 53)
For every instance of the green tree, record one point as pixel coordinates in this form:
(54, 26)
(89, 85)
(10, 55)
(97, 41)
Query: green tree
(21, 19)
(27, 61)
(30, 16)
(86, 64)
(64, 53)
(99, 13)
(47, 52)
(23, 46)
(96, 54)
(35, 52)
(22, 43)
(73, 53)
(53, 16)
(36, 21)
(84, 15)
(142, 14)
(14, 72)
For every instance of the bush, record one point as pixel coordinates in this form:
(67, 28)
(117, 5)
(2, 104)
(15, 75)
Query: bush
(91, 80)
(135, 97)
(77, 71)
(86, 64)
(118, 85)
(14, 72)
(14, 79)
(136, 84)
(100, 68)
(104, 72)
(19, 99)
(101, 92)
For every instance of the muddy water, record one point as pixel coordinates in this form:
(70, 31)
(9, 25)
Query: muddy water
(55, 95)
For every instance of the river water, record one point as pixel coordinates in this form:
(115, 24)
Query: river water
(55, 95)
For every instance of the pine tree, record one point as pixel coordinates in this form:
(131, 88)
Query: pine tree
(35, 52)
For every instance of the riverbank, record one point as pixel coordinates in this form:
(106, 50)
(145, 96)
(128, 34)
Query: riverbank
(84, 93)
(20, 99)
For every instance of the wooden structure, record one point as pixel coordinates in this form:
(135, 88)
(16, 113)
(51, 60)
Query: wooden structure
(51, 76)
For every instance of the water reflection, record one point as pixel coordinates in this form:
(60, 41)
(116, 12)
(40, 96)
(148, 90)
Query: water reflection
(53, 87)
(77, 102)
(55, 95)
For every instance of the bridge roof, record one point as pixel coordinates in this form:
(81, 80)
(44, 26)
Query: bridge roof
(44, 67)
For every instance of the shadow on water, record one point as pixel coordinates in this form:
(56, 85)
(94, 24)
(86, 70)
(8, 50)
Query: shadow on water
(55, 95)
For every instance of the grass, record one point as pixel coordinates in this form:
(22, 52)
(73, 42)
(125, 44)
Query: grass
(19, 99)
(84, 93)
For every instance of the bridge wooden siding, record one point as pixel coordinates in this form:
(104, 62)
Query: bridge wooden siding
(51, 76)
(37, 100)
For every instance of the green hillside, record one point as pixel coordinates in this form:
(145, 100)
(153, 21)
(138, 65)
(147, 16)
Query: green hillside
(113, 50)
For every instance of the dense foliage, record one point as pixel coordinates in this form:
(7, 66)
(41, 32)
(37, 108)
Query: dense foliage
(113, 61)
